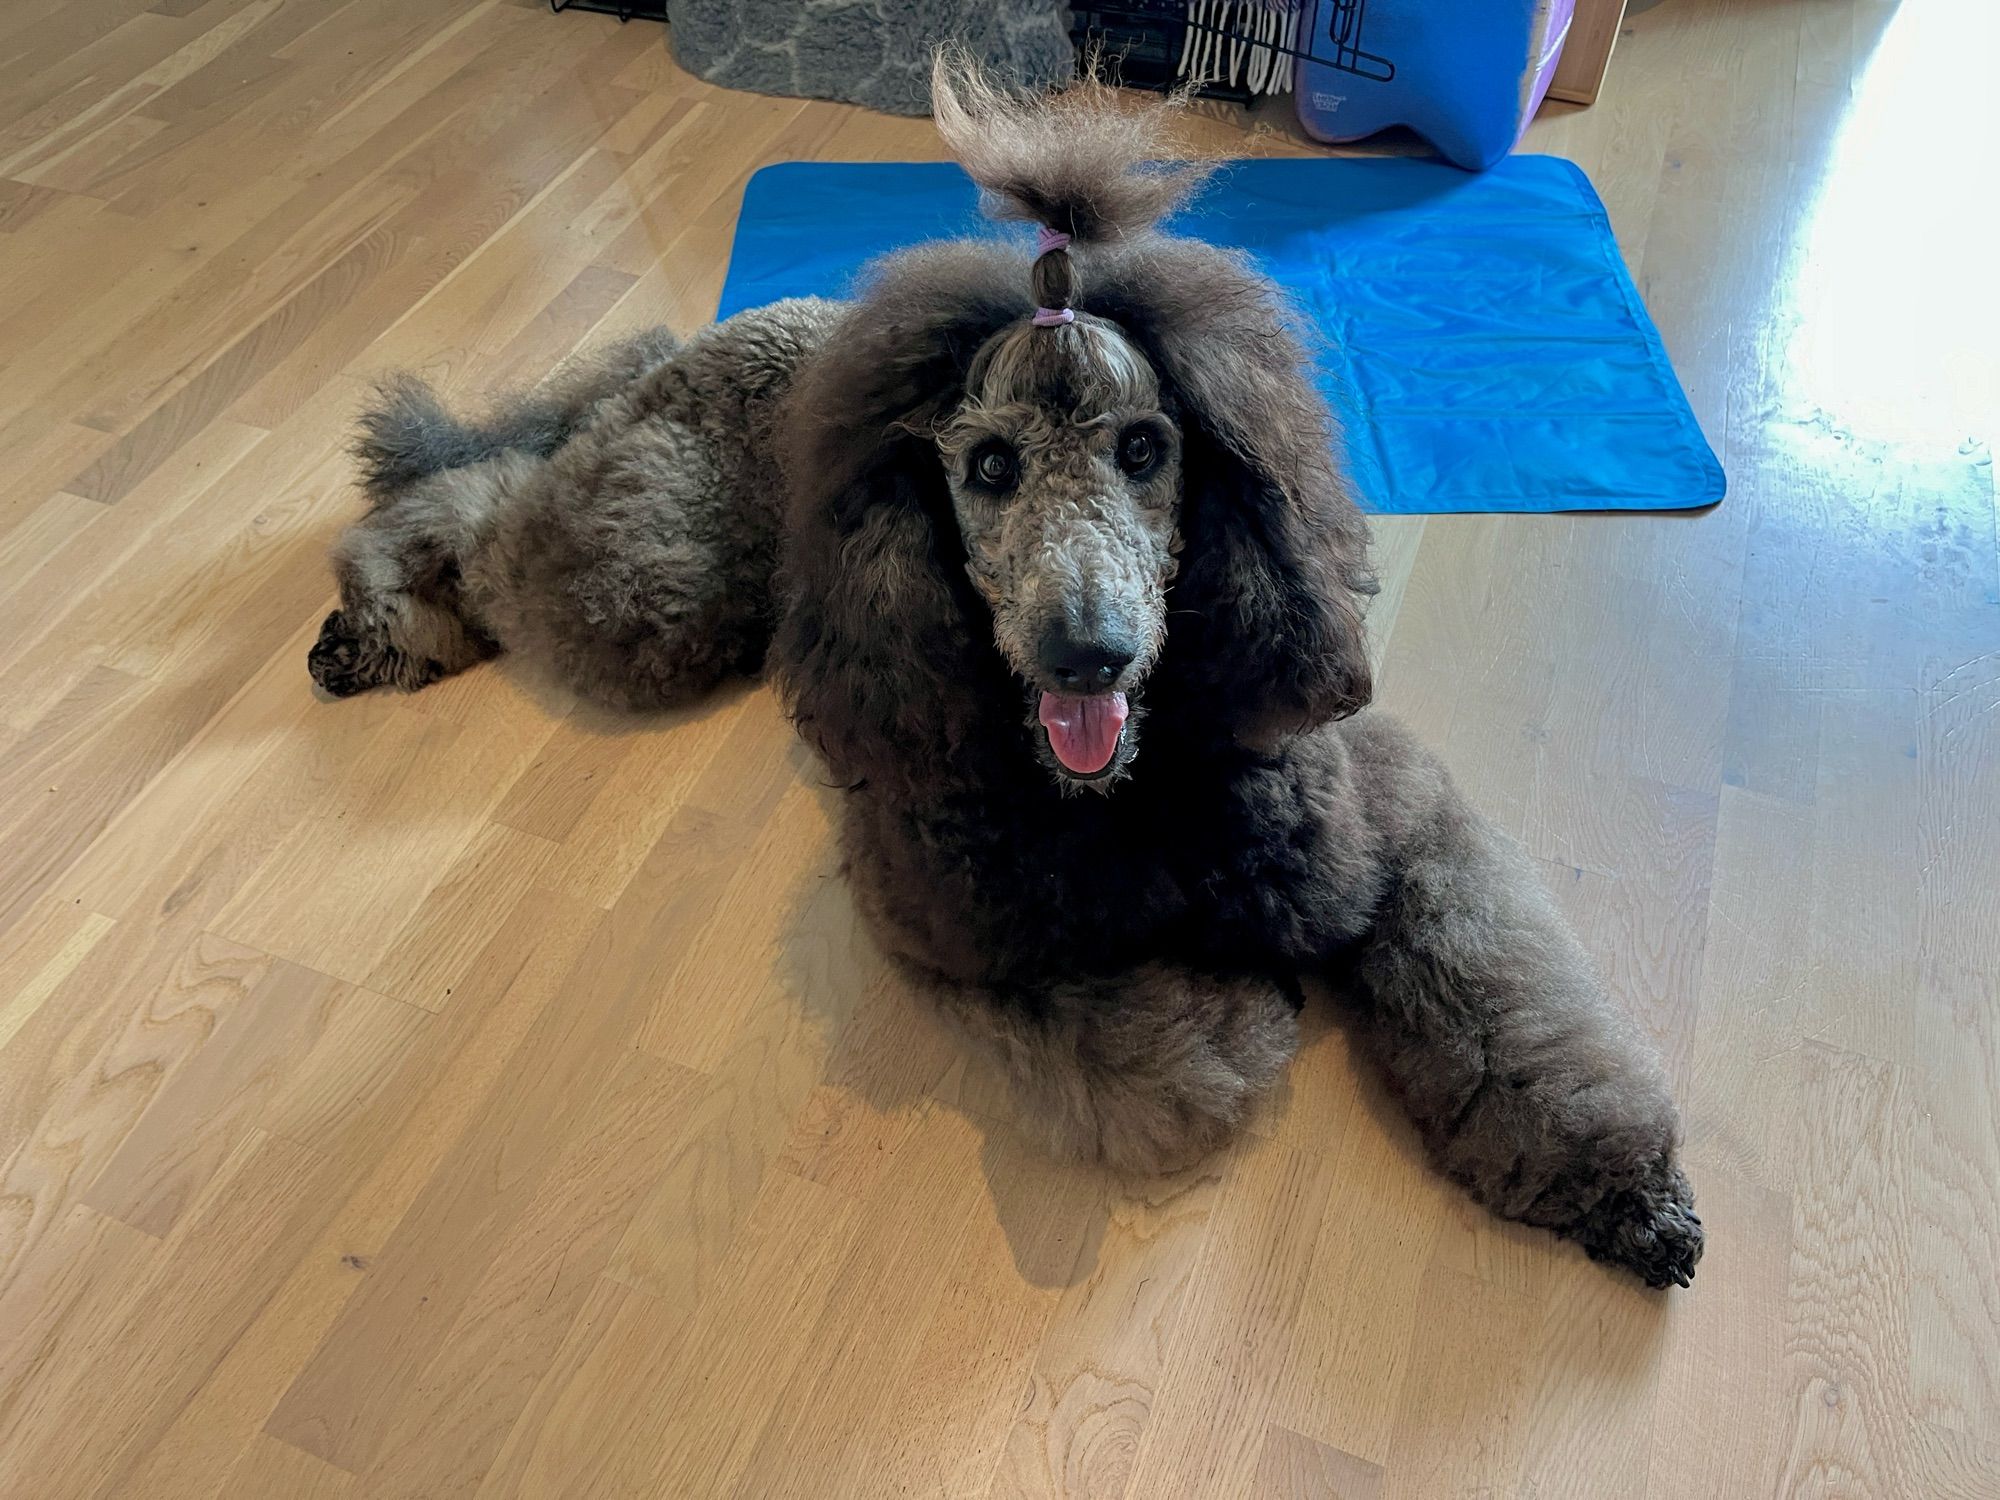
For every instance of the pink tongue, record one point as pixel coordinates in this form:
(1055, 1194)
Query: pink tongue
(1084, 732)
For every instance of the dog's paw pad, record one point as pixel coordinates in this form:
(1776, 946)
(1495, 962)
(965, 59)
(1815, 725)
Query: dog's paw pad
(335, 660)
(1650, 1229)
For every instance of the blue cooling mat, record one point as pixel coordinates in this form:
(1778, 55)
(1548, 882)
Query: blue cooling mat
(1485, 346)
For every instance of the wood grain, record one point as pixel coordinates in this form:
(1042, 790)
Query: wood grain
(472, 1095)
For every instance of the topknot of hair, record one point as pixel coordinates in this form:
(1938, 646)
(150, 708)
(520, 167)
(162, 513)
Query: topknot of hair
(1085, 160)
(1052, 279)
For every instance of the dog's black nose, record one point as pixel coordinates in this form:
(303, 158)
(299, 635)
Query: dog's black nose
(1086, 665)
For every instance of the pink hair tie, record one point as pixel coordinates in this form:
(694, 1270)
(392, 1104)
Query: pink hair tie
(1047, 239)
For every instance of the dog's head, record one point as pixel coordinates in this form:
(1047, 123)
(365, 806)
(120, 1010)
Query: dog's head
(1099, 485)
(1064, 467)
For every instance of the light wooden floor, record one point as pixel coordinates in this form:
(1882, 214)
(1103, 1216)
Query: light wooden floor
(454, 1095)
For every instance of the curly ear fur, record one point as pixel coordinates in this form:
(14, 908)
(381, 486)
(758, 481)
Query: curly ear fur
(875, 652)
(1266, 625)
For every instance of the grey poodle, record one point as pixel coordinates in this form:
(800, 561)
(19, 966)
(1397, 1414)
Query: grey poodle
(1054, 563)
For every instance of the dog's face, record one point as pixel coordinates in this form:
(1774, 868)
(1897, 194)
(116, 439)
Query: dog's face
(1065, 475)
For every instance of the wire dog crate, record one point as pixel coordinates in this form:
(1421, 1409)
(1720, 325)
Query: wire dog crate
(1236, 50)
(1224, 49)
(624, 10)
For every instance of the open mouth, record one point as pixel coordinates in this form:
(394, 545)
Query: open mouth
(1084, 730)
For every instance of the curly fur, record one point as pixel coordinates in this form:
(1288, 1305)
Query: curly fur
(406, 435)
(647, 593)
(1145, 1071)
(1125, 957)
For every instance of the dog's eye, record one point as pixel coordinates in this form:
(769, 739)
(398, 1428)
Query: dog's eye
(1137, 451)
(993, 466)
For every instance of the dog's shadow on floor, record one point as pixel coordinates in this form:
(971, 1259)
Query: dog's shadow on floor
(895, 1069)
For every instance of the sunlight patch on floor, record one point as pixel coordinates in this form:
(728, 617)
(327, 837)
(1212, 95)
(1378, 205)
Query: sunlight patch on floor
(1896, 297)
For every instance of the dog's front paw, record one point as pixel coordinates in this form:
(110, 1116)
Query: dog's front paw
(1649, 1228)
(336, 657)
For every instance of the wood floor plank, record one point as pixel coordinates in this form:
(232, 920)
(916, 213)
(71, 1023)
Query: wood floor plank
(1848, 1331)
(1733, 1391)
(1364, 1293)
(383, 1072)
(1455, 1428)
(343, 1403)
(913, 1219)
(39, 954)
(93, 1058)
(1293, 1467)
(1106, 1352)
(51, 1301)
(105, 548)
(188, 1130)
(448, 1428)
(97, 1417)
(664, 1403)
(1955, 1298)
(939, 1424)
(1249, 1282)
(452, 926)
(384, 1076)
(219, 809)
(384, 820)
(269, 1467)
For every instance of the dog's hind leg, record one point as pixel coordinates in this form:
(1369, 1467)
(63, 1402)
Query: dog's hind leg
(1530, 1087)
(436, 484)
(393, 639)
(1144, 1072)
(404, 619)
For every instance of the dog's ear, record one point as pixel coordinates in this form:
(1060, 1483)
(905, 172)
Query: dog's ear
(873, 652)
(873, 648)
(1266, 635)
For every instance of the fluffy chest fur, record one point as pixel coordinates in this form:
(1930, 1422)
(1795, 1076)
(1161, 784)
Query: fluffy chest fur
(1227, 859)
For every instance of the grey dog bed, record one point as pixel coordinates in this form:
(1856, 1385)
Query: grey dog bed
(872, 52)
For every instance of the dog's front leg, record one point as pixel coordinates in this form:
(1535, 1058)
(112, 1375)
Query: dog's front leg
(1530, 1087)
(1144, 1071)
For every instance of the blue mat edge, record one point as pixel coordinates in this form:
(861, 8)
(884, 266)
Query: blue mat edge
(1712, 491)
(1642, 319)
